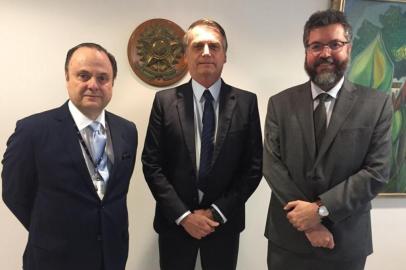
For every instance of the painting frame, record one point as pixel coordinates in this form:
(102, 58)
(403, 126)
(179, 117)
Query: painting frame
(400, 85)
(340, 4)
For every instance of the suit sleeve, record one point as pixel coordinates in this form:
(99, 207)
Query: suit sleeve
(153, 161)
(353, 193)
(251, 172)
(275, 171)
(19, 174)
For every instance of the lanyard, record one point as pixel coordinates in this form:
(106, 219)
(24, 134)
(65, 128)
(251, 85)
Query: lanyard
(95, 164)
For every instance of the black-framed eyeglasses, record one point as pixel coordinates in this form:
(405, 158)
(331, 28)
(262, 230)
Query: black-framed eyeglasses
(335, 46)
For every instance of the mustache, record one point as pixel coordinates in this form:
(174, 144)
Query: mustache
(325, 60)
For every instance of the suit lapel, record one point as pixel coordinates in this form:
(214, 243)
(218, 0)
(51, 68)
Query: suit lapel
(117, 143)
(227, 104)
(185, 110)
(304, 113)
(345, 101)
(67, 133)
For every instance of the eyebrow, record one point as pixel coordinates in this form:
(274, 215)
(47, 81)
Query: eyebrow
(87, 71)
(206, 41)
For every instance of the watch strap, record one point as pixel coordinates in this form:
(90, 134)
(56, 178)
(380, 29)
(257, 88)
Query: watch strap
(216, 216)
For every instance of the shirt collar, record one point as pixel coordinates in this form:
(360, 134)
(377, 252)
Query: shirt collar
(214, 89)
(81, 120)
(316, 90)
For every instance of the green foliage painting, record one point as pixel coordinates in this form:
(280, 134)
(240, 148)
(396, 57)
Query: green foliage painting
(379, 61)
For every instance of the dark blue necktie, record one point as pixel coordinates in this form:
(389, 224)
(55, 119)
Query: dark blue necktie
(207, 140)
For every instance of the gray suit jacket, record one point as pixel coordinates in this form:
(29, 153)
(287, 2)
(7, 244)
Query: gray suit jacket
(350, 169)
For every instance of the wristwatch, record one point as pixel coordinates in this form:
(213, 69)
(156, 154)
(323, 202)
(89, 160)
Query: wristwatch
(322, 211)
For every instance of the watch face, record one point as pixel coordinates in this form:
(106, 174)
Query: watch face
(323, 211)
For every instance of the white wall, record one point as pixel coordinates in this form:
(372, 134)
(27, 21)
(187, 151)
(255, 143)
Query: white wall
(265, 56)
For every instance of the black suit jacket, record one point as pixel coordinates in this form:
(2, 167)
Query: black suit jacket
(47, 186)
(169, 158)
(348, 172)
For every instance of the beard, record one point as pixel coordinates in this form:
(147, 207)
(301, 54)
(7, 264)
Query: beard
(326, 79)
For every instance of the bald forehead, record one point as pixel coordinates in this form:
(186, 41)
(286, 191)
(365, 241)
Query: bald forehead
(86, 58)
(91, 62)
(86, 53)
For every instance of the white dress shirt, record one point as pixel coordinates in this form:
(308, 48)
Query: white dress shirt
(329, 103)
(198, 106)
(82, 122)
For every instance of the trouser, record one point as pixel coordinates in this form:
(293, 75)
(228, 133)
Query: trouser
(217, 252)
(282, 259)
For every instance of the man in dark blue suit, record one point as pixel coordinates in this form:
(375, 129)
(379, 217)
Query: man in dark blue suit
(66, 172)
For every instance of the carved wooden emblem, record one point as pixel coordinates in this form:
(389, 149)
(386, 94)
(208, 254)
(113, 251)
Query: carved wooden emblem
(155, 52)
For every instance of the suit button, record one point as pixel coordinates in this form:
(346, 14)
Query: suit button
(99, 237)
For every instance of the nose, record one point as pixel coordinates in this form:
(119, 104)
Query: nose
(325, 51)
(206, 50)
(92, 83)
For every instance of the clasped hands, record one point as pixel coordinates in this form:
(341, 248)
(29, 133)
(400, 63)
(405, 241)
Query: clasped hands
(304, 217)
(200, 223)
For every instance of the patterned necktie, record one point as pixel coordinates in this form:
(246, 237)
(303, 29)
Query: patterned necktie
(320, 119)
(97, 146)
(207, 141)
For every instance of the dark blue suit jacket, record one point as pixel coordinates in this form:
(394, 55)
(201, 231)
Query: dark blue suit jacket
(47, 186)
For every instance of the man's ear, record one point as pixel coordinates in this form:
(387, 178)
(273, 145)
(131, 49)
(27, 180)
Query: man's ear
(349, 48)
(185, 55)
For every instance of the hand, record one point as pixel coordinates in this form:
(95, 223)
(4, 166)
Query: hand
(320, 236)
(198, 225)
(204, 212)
(302, 215)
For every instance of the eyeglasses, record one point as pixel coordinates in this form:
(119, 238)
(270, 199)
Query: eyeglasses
(335, 46)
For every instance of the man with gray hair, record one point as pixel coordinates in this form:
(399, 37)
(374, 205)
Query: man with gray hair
(326, 156)
(202, 158)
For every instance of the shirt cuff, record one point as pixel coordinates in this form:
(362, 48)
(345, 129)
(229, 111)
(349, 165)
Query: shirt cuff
(218, 211)
(182, 217)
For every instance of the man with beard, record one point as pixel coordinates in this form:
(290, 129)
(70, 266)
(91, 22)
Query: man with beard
(326, 156)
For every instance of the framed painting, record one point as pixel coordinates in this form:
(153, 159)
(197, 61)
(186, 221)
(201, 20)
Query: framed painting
(379, 61)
